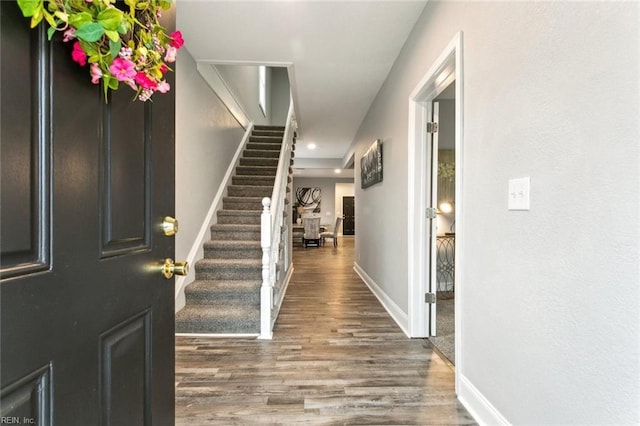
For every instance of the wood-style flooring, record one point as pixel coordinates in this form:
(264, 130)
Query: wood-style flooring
(336, 358)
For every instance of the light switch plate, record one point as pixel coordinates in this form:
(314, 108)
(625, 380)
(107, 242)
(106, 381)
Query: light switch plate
(519, 194)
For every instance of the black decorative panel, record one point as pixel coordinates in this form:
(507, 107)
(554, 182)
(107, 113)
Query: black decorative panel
(125, 175)
(28, 400)
(125, 367)
(24, 145)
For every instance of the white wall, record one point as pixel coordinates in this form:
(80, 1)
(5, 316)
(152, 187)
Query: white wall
(207, 137)
(550, 313)
(242, 81)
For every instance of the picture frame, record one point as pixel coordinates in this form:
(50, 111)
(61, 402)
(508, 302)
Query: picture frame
(371, 165)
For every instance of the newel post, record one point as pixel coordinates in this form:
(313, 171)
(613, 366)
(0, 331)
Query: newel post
(266, 292)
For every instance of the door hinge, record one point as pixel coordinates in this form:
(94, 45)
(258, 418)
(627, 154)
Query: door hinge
(429, 298)
(432, 212)
(432, 127)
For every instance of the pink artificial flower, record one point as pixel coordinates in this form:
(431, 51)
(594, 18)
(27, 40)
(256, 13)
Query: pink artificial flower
(122, 69)
(132, 84)
(171, 54)
(145, 82)
(96, 73)
(78, 54)
(176, 39)
(164, 69)
(69, 35)
(163, 87)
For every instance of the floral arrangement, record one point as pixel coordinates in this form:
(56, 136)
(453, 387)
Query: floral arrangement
(446, 170)
(120, 46)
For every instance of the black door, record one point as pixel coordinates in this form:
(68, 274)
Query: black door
(349, 224)
(87, 320)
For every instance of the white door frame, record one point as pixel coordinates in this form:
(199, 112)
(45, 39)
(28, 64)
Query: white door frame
(446, 69)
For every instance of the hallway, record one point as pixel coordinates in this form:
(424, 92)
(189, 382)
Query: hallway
(336, 358)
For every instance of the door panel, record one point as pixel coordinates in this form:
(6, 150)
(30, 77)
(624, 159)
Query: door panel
(348, 210)
(125, 176)
(24, 153)
(87, 320)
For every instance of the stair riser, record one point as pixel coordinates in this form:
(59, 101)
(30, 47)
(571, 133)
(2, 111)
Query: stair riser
(220, 326)
(271, 133)
(238, 219)
(264, 146)
(220, 253)
(256, 171)
(253, 180)
(222, 299)
(255, 153)
(227, 273)
(270, 162)
(249, 235)
(239, 204)
(250, 191)
(276, 140)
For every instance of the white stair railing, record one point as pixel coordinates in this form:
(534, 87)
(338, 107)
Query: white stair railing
(271, 225)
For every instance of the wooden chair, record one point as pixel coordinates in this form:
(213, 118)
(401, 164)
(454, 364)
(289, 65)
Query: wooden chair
(332, 234)
(311, 231)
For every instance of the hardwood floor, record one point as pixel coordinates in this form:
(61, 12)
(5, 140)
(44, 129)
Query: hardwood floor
(336, 358)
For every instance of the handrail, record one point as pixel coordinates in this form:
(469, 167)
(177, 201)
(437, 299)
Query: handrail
(271, 222)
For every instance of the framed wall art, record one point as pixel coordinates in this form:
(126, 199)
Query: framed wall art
(371, 165)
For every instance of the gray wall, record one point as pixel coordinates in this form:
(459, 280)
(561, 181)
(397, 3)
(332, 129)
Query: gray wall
(327, 186)
(550, 313)
(207, 136)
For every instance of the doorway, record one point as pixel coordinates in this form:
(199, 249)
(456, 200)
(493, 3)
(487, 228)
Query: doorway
(442, 261)
(422, 231)
(348, 210)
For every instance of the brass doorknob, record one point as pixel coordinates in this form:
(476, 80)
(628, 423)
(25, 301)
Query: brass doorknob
(169, 226)
(178, 268)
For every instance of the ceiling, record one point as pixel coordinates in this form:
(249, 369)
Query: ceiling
(338, 54)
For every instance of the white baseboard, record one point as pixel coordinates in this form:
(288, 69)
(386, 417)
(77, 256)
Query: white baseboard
(478, 405)
(400, 317)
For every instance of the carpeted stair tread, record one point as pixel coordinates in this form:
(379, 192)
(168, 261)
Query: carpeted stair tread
(218, 320)
(239, 217)
(242, 203)
(228, 269)
(263, 146)
(232, 249)
(261, 153)
(256, 170)
(259, 161)
(224, 292)
(250, 191)
(253, 180)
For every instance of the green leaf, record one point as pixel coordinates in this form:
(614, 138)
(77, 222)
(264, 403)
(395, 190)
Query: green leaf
(28, 7)
(90, 32)
(50, 32)
(37, 17)
(114, 48)
(81, 19)
(113, 83)
(113, 35)
(110, 18)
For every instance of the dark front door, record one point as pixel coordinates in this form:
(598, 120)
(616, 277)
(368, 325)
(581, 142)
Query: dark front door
(87, 320)
(348, 210)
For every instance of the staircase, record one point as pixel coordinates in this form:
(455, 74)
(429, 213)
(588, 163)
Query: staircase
(225, 297)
